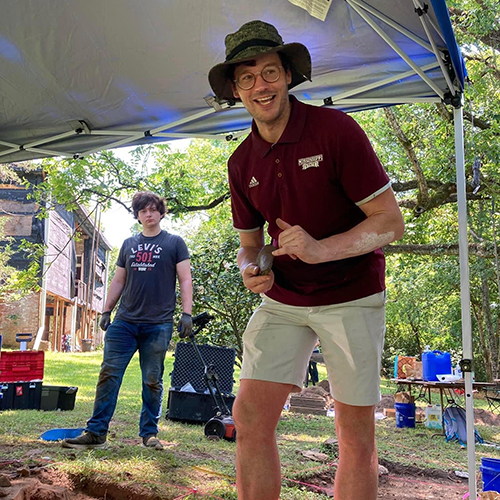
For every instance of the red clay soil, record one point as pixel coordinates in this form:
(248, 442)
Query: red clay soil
(403, 483)
(38, 482)
(51, 484)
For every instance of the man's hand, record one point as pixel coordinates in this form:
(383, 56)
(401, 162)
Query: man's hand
(105, 320)
(185, 326)
(254, 282)
(297, 243)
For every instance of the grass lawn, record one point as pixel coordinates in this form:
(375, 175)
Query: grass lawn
(190, 460)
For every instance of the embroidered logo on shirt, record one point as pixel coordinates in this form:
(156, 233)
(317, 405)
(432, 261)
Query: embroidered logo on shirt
(312, 161)
(253, 182)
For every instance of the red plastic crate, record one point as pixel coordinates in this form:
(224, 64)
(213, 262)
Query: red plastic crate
(21, 366)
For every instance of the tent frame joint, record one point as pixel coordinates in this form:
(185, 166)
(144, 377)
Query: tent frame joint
(466, 365)
(422, 11)
(453, 100)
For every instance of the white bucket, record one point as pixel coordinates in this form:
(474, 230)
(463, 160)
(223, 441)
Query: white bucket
(433, 417)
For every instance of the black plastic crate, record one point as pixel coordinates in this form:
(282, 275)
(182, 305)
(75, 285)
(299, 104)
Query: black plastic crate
(193, 407)
(55, 397)
(24, 395)
(6, 400)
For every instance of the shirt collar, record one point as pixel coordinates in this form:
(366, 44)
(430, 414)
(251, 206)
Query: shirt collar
(291, 134)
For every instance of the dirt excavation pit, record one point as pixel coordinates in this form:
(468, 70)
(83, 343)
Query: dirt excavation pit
(401, 483)
(51, 484)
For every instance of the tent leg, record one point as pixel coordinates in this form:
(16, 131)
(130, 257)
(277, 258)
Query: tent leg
(465, 295)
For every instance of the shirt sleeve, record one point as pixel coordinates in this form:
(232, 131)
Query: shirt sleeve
(358, 168)
(246, 217)
(182, 250)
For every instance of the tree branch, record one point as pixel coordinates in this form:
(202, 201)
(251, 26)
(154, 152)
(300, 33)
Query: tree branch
(180, 207)
(423, 190)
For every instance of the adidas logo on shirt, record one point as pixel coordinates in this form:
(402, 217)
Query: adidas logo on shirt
(253, 182)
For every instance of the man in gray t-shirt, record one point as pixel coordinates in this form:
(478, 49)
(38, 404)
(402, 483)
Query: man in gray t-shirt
(145, 279)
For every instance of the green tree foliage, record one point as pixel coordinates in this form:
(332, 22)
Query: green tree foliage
(6, 271)
(217, 283)
(17, 283)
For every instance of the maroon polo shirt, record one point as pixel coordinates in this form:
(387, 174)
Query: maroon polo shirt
(315, 176)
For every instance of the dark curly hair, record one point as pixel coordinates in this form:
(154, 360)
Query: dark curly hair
(143, 199)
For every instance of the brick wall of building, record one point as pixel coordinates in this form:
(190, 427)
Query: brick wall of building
(20, 316)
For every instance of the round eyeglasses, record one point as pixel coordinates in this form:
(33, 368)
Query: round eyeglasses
(270, 74)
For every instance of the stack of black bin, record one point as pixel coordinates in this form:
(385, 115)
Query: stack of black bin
(21, 374)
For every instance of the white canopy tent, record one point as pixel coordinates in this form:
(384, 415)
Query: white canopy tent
(78, 77)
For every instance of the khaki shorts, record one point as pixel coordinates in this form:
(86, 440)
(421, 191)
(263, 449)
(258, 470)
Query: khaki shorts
(279, 339)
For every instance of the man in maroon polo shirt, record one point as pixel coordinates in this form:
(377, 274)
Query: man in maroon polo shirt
(311, 174)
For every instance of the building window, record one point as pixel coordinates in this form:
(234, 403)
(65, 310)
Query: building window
(79, 261)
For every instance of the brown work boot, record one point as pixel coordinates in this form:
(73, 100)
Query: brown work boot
(152, 442)
(87, 441)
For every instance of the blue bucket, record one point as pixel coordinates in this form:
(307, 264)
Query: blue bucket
(490, 470)
(405, 414)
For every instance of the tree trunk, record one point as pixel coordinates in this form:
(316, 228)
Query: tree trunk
(488, 324)
(486, 353)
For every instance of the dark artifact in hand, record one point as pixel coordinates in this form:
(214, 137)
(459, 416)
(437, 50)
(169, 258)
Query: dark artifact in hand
(265, 259)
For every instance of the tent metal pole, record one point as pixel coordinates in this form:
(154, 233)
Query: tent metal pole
(182, 121)
(378, 102)
(116, 133)
(32, 146)
(392, 24)
(140, 135)
(465, 294)
(396, 48)
(50, 139)
(9, 151)
(431, 22)
(382, 83)
(174, 135)
(218, 137)
(425, 20)
(9, 144)
(48, 152)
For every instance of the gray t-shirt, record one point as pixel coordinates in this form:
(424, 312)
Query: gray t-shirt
(149, 292)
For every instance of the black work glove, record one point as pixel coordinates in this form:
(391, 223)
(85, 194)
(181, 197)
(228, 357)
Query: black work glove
(105, 320)
(185, 326)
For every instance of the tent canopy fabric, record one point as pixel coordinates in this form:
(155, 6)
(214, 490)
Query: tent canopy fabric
(77, 77)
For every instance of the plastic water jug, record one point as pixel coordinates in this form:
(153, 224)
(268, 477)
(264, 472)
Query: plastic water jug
(435, 363)
(490, 469)
(433, 417)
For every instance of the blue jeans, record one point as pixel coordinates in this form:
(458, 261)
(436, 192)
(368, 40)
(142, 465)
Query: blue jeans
(122, 340)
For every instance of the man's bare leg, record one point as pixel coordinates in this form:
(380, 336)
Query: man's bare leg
(256, 412)
(357, 473)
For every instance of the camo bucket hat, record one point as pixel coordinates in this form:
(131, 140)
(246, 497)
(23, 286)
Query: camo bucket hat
(253, 39)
